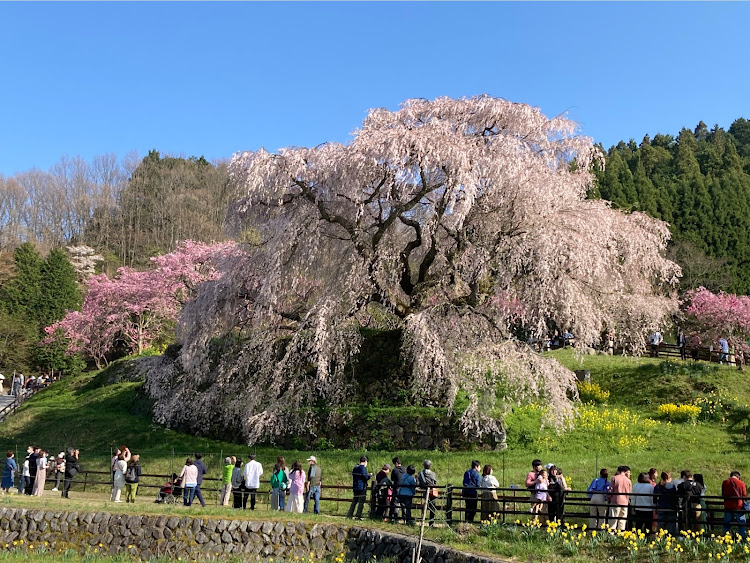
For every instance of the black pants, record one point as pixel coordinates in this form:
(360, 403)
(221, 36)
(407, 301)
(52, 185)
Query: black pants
(642, 520)
(29, 484)
(471, 508)
(359, 499)
(66, 486)
(252, 493)
(555, 510)
(396, 505)
(406, 502)
(237, 497)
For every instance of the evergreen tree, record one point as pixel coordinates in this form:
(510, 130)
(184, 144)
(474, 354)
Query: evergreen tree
(59, 288)
(21, 295)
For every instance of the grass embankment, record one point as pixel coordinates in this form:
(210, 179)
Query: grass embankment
(95, 415)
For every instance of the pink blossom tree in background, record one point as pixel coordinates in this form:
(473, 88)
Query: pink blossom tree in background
(134, 309)
(716, 315)
(452, 220)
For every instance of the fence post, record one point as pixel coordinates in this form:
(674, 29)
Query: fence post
(373, 499)
(449, 504)
(85, 480)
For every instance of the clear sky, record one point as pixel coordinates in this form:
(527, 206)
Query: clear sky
(214, 78)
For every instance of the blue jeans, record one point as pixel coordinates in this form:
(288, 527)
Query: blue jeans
(732, 515)
(188, 494)
(315, 494)
(197, 494)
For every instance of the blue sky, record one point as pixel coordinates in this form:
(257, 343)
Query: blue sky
(214, 78)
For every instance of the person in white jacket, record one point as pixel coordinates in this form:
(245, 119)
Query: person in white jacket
(253, 471)
(118, 482)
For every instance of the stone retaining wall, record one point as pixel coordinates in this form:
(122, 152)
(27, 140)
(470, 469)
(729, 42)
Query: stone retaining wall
(193, 538)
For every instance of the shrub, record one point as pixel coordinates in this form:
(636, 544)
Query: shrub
(592, 393)
(680, 413)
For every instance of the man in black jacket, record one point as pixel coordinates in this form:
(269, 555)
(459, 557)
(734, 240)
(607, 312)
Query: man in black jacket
(688, 499)
(32, 470)
(397, 472)
(71, 470)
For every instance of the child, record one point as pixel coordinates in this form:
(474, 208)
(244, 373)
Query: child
(540, 494)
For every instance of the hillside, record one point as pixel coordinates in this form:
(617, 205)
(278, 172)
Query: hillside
(99, 410)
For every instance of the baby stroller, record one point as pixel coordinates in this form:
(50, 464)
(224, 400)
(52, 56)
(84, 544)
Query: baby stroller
(170, 491)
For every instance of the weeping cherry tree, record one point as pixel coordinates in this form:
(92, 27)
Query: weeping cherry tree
(458, 222)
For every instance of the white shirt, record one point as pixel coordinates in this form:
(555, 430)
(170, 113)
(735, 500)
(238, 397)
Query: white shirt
(252, 473)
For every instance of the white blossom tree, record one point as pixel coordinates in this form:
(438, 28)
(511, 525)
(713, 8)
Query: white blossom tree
(459, 221)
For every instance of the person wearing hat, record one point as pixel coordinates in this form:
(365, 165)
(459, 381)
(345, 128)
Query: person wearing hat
(59, 470)
(313, 484)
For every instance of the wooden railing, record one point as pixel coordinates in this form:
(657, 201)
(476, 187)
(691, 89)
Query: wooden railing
(510, 506)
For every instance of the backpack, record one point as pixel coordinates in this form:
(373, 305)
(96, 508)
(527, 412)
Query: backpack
(131, 475)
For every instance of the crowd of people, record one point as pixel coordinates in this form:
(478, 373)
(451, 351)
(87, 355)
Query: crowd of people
(36, 468)
(654, 502)
(20, 383)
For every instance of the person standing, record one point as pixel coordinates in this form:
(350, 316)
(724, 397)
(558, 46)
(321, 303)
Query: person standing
(428, 480)
(238, 485)
(489, 487)
(471, 490)
(682, 344)
(407, 487)
(189, 480)
(665, 498)
(9, 471)
(382, 492)
(132, 478)
(655, 340)
(597, 491)
(32, 470)
(121, 466)
(71, 470)
(284, 482)
(695, 346)
(643, 503)
(226, 481)
(619, 491)
(41, 474)
(734, 493)
(278, 490)
(296, 488)
(201, 467)
(313, 484)
(724, 348)
(252, 473)
(531, 477)
(360, 477)
(397, 473)
(59, 470)
(689, 501)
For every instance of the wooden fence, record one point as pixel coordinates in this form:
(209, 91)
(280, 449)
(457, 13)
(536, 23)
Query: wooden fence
(511, 506)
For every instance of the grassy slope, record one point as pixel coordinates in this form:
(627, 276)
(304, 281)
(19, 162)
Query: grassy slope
(96, 416)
